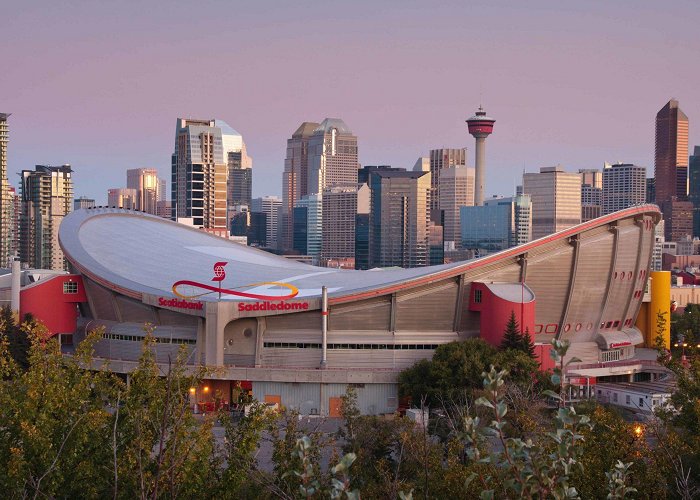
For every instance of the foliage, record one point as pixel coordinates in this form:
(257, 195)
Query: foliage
(71, 430)
(612, 440)
(18, 338)
(514, 338)
(455, 370)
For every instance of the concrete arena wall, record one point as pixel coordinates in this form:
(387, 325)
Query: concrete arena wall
(315, 399)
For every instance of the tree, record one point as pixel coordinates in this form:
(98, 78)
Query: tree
(17, 336)
(512, 338)
(529, 344)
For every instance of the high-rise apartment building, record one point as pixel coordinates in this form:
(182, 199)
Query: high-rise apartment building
(399, 216)
(455, 189)
(146, 183)
(295, 179)
(624, 185)
(199, 173)
(694, 188)
(270, 206)
(47, 196)
(556, 199)
(671, 168)
(83, 202)
(440, 159)
(122, 198)
(6, 202)
(591, 194)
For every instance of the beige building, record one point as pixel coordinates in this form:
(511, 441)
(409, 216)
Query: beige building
(148, 188)
(438, 160)
(556, 199)
(47, 197)
(123, 198)
(332, 156)
(455, 189)
(340, 206)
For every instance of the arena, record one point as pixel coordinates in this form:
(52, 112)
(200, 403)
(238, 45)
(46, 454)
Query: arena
(298, 335)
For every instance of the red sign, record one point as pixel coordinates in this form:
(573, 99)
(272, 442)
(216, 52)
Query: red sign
(582, 381)
(620, 344)
(180, 304)
(219, 273)
(273, 306)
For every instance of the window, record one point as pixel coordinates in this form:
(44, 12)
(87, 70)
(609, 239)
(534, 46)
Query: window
(70, 287)
(477, 296)
(641, 402)
(614, 397)
(628, 399)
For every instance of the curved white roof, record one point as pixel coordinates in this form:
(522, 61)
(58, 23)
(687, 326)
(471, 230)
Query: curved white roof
(142, 253)
(136, 253)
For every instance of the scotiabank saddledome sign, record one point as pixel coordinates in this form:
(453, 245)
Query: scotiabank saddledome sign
(184, 289)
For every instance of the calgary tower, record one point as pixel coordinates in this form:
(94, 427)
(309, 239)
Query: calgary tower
(480, 126)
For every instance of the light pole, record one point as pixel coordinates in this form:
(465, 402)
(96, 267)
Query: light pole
(682, 344)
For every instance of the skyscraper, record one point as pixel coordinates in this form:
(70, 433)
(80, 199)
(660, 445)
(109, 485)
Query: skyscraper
(123, 198)
(439, 159)
(694, 188)
(83, 202)
(498, 224)
(308, 225)
(332, 156)
(199, 172)
(671, 169)
(480, 126)
(556, 199)
(399, 215)
(332, 172)
(47, 196)
(146, 183)
(339, 210)
(591, 194)
(455, 189)
(295, 178)
(270, 206)
(6, 250)
(624, 185)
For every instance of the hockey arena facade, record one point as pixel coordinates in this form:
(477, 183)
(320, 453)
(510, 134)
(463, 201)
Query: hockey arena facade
(298, 335)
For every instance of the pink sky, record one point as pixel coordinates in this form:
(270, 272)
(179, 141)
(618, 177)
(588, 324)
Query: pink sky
(576, 83)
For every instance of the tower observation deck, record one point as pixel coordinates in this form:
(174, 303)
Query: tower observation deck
(480, 126)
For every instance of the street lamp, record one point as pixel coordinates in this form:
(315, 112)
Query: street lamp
(682, 344)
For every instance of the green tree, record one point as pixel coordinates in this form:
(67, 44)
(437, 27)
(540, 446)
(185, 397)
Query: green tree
(512, 338)
(610, 440)
(529, 344)
(53, 436)
(158, 446)
(17, 335)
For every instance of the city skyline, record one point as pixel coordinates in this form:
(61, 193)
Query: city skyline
(113, 69)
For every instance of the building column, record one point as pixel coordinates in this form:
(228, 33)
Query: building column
(214, 336)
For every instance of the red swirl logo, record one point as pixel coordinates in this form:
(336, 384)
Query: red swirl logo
(219, 276)
(219, 272)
